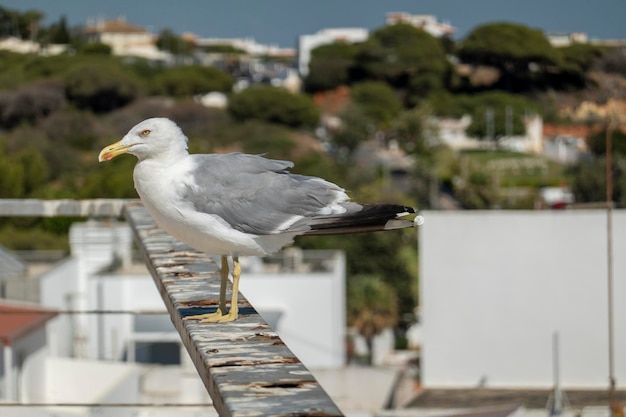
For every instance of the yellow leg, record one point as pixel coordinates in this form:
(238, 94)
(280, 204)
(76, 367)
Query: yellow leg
(220, 316)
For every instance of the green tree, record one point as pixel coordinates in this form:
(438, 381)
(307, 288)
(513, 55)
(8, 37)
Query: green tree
(260, 137)
(35, 168)
(101, 85)
(95, 48)
(520, 53)
(378, 101)
(476, 191)
(355, 129)
(170, 42)
(372, 308)
(391, 256)
(478, 106)
(580, 57)
(588, 177)
(59, 33)
(187, 81)
(71, 128)
(330, 66)
(274, 105)
(411, 129)
(111, 180)
(404, 56)
(597, 143)
(11, 177)
(23, 25)
(576, 60)
(588, 180)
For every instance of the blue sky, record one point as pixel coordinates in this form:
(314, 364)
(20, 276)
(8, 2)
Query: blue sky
(282, 21)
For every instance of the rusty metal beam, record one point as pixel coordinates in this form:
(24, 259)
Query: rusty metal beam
(102, 207)
(245, 366)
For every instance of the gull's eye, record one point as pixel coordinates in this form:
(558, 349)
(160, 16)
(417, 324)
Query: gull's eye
(145, 133)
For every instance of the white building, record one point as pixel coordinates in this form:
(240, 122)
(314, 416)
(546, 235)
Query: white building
(560, 40)
(453, 133)
(22, 343)
(306, 43)
(247, 45)
(496, 286)
(21, 46)
(426, 22)
(125, 39)
(314, 281)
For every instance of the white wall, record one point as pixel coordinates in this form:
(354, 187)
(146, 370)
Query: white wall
(85, 381)
(110, 334)
(94, 246)
(496, 285)
(57, 289)
(312, 309)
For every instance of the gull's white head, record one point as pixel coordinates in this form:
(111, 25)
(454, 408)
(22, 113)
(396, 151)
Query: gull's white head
(152, 138)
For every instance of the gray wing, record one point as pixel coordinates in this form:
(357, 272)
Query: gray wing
(258, 195)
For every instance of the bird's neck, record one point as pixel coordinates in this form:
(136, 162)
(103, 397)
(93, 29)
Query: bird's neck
(166, 159)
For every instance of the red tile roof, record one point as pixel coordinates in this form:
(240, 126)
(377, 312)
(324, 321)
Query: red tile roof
(17, 320)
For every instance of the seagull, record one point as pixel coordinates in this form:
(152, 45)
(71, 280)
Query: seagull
(239, 204)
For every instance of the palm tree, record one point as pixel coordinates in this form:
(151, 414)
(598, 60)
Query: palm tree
(372, 307)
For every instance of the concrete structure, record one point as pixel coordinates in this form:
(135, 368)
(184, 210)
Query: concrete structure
(496, 287)
(306, 43)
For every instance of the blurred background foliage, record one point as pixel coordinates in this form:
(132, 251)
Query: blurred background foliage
(56, 113)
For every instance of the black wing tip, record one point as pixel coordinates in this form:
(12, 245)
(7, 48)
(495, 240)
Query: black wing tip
(371, 218)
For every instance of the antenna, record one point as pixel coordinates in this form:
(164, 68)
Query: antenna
(558, 400)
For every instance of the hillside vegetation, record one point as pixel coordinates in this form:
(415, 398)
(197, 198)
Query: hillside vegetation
(57, 112)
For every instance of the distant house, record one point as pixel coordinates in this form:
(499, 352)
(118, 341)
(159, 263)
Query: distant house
(247, 45)
(560, 40)
(21, 46)
(426, 22)
(22, 341)
(453, 132)
(124, 39)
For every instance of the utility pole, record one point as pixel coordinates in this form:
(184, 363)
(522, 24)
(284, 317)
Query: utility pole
(489, 124)
(615, 407)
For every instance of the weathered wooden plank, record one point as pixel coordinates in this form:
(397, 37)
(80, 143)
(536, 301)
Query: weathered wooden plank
(15, 207)
(245, 366)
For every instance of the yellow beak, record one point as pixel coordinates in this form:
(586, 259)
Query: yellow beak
(111, 151)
